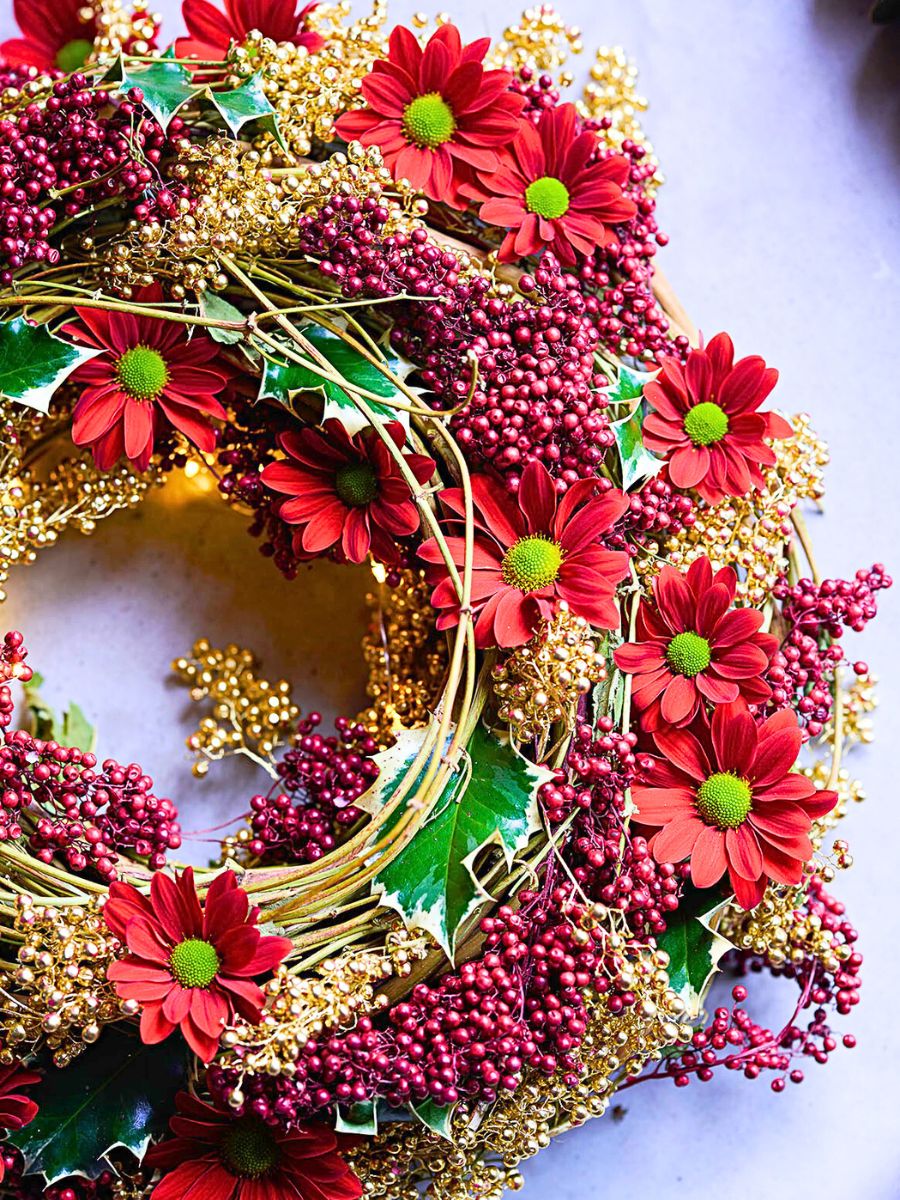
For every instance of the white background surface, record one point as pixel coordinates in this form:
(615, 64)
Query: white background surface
(778, 125)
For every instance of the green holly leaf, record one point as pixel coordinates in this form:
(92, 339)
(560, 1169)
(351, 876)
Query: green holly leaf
(359, 1119)
(393, 764)
(33, 362)
(283, 379)
(216, 308)
(636, 460)
(628, 385)
(490, 800)
(118, 1092)
(166, 84)
(437, 1117)
(693, 945)
(244, 104)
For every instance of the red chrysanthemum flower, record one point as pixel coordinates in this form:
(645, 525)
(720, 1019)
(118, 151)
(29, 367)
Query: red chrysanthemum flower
(212, 31)
(189, 966)
(346, 493)
(436, 114)
(705, 422)
(547, 192)
(56, 36)
(16, 1109)
(530, 552)
(726, 796)
(693, 646)
(149, 373)
(216, 1155)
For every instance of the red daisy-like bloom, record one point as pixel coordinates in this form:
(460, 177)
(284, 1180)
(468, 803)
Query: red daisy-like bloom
(547, 192)
(56, 36)
(212, 31)
(346, 493)
(16, 1109)
(705, 422)
(436, 114)
(148, 373)
(530, 552)
(726, 796)
(693, 646)
(189, 966)
(216, 1155)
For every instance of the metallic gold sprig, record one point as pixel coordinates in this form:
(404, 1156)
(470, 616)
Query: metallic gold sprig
(405, 656)
(299, 1008)
(58, 995)
(250, 715)
(540, 683)
(541, 41)
(38, 503)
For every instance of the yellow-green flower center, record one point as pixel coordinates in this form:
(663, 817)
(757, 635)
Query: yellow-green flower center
(428, 120)
(706, 423)
(724, 800)
(194, 963)
(249, 1149)
(73, 55)
(142, 373)
(688, 654)
(532, 563)
(356, 484)
(548, 197)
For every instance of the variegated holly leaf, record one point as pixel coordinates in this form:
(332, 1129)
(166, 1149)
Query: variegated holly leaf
(636, 461)
(359, 1119)
(282, 379)
(490, 800)
(167, 85)
(693, 944)
(437, 1117)
(392, 764)
(33, 362)
(245, 105)
(628, 385)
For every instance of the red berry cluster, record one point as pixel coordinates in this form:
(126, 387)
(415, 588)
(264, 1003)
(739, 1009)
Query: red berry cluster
(801, 673)
(536, 395)
(735, 1042)
(320, 778)
(658, 509)
(70, 152)
(611, 864)
(12, 658)
(470, 1035)
(833, 605)
(83, 816)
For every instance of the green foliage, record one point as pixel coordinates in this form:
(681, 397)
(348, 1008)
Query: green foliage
(359, 1119)
(33, 362)
(490, 800)
(73, 729)
(167, 85)
(244, 105)
(693, 945)
(283, 379)
(118, 1092)
(438, 1118)
(218, 309)
(636, 461)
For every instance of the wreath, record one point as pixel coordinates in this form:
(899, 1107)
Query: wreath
(394, 299)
